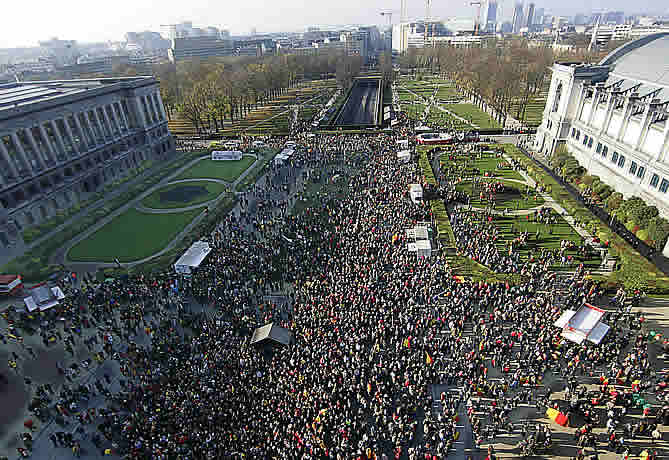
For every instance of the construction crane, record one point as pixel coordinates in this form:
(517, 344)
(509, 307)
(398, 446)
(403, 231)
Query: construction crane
(477, 19)
(389, 15)
(428, 5)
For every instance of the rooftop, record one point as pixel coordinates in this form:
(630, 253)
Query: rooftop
(21, 94)
(641, 64)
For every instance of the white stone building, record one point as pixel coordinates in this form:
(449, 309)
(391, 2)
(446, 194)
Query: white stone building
(613, 118)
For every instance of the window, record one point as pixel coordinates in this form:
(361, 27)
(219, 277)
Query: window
(664, 185)
(573, 132)
(590, 143)
(654, 180)
(558, 96)
(599, 147)
(585, 140)
(614, 157)
(633, 168)
(578, 134)
(605, 151)
(621, 161)
(640, 172)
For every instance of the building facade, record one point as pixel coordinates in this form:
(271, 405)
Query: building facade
(61, 141)
(613, 117)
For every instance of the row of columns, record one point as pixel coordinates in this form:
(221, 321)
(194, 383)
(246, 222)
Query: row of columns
(627, 108)
(108, 127)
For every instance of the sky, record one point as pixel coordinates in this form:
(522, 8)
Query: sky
(88, 21)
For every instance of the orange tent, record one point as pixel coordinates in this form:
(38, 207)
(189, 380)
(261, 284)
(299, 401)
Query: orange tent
(557, 416)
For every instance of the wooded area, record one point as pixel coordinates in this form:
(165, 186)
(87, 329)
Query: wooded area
(217, 90)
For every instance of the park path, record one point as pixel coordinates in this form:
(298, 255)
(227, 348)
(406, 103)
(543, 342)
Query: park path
(291, 107)
(431, 102)
(60, 257)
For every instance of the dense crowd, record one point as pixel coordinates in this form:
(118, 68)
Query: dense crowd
(392, 351)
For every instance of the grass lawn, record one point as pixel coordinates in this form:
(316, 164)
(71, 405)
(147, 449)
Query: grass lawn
(487, 163)
(131, 236)
(516, 200)
(163, 199)
(228, 171)
(549, 236)
(472, 113)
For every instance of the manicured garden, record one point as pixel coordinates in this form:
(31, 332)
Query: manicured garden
(474, 115)
(515, 196)
(228, 171)
(183, 194)
(131, 236)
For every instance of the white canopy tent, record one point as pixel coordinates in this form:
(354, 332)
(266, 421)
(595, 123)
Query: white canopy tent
(42, 297)
(584, 323)
(422, 248)
(284, 156)
(226, 155)
(403, 143)
(415, 192)
(192, 258)
(404, 156)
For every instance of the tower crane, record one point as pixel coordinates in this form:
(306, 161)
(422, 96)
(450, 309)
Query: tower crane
(477, 19)
(389, 15)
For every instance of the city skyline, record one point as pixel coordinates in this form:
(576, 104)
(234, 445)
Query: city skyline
(289, 15)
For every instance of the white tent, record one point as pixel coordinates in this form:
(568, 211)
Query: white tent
(192, 258)
(404, 156)
(43, 297)
(415, 192)
(584, 323)
(284, 156)
(226, 155)
(403, 143)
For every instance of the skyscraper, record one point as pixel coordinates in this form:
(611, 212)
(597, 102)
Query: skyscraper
(490, 15)
(518, 19)
(530, 17)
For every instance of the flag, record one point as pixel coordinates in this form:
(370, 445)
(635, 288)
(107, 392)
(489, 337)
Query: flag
(428, 358)
(557, 416)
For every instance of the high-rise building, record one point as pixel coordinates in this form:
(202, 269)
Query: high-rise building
(518, 19)
(529, 21)
(490, 15)
(539, 16)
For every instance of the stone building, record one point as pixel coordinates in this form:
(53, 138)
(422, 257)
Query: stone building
(612, 117)
(61, 141)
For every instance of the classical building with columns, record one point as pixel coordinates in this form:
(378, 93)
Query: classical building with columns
(61, 141)
(612, 117)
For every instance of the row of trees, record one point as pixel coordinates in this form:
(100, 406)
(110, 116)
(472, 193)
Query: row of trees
(505, 76)
(214, 91)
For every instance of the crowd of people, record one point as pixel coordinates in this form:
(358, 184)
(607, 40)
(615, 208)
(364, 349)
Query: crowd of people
(393, 357)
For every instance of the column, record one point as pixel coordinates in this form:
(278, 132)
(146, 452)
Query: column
(626, 114)
(106, 117)
(36, 149)
(82, 134)
(103, 128)
(645, 124)
(22, 153)
(152, 111)
(141, 118)
(8, 159)
(114, 119)
(581, 101)
(660, 155)
(159, 104)
(609, 114)
(71, 136)
(59, 138)
(90, 130)
(123, 117)
(593, 109)
(50, 150)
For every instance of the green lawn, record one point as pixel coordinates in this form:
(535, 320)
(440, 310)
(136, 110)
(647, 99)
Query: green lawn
(131, 236)
(487, 163)
(228, 171)
(515, 201)
(155, 200)
(472, 113)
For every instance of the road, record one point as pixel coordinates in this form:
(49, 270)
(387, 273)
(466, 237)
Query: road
(360, 108)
